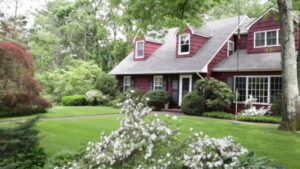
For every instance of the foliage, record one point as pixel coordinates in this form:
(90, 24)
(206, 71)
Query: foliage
(73, 100)
(223, 115)
(217, 94)
(157, 99)
(77, 77)
(19, 147)
(134, 93)
(53, 40)
(251, 161)
(277, 105)
(95, 97)
(19, 91)
(251, 8)
(192, 103)
(107, 84)
(163, 14)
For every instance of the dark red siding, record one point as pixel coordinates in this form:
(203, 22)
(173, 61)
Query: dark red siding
(195, 43)
(268, 22)
(142, 82)
(149, 48)
(218, 58)
(243, 41)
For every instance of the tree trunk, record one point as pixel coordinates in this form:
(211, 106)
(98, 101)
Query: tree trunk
(289, 67)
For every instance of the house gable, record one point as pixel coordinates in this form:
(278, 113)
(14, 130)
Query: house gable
(149, 48)
(196, 42)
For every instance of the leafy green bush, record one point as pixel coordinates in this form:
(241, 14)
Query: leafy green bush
(277, 105)
(95, 97)
(19, 147)
(157, 99)
(132, 93)
(5, 112)
(192, 104)
(77, 77)
(217, 94)
(107, 84)
(223, 115)
(73, 100)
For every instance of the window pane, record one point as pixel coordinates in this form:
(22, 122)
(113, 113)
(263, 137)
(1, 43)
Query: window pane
(260, 39)
(158, 82)
(275, 87)
(184, 43)
(140, 48)
(271, 38)
(240, 85)
(258, 88)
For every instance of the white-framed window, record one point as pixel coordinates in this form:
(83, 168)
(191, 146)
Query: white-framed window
(263, 88)
(230, 48)
(139, 49)
(266, 38)
(126, 83)
(184, 44)
(157, 82)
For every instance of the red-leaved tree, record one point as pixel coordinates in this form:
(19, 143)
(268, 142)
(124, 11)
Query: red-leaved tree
(19, 91)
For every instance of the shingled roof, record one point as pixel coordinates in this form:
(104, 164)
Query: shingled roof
(250, 62)
(164, 61)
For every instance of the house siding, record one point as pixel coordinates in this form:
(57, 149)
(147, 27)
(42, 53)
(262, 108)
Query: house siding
(218, 58)
(268, 22)
(149, 48)
(196, 42)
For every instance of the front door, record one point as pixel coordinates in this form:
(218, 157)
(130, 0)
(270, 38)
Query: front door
(185, 86)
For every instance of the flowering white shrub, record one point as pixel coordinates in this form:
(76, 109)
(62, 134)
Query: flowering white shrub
(252, 110)
(96, 97)
(151, 143)
(206, 152)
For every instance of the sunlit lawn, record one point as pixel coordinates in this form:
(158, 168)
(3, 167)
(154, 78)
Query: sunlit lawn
(265, 140)
(70, 111)
(73, 134)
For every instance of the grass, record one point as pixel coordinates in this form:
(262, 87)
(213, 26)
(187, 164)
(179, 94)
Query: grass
(70, 111)
(265, 140)
(74, 134)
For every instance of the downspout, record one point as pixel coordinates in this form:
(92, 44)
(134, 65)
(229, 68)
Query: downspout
(201, 77)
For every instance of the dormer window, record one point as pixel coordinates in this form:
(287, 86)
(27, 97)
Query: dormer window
(184, 44)
(230, 48)
(139, 46)
(266, 38)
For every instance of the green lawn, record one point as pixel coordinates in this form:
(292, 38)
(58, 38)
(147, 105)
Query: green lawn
(65, 111)
(265, 140)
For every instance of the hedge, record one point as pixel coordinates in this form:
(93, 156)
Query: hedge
(223, 115)
(73, 100)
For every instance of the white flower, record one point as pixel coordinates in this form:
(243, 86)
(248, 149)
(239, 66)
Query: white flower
(131, 91)
(174, 118)
(191, 129)
(167, 115)
(147, 98)
(153, 137)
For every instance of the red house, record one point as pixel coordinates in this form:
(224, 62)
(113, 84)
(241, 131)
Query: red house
(175, 63)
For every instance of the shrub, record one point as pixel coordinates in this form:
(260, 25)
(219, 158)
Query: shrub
(19, 147)
(157, 99)
(107, 84)
(217, 94)
(277, 105)
(95, 97)
(132, 93)
(192, 104)
(223, 115)
(73, 100)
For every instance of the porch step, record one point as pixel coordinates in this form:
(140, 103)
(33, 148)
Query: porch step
(172, 110)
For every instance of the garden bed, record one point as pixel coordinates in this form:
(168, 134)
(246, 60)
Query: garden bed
(223, 115)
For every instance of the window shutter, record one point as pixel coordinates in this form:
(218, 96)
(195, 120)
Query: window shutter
(165, 82)
(132, 82)
(121, 83)
(194, 80)
(230, 82)
(150, 83)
